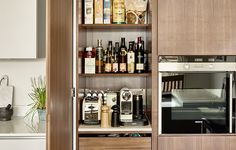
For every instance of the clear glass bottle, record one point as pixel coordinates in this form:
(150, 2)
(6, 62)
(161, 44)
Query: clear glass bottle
(131, 58)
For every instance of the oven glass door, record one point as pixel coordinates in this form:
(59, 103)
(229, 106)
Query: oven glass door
(195, 102)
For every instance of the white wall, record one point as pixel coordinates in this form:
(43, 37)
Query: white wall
(20, 72)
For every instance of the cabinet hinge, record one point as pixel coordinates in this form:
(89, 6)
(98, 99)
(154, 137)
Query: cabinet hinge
(73, 92)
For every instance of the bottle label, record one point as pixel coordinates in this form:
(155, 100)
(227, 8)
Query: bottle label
(123, 52)
(131, 60)
(139, 66)
(131, 68)
(89, 67)
(108, 67)
(118, 11)
(115, 67)
(122, 67)
(130, 57)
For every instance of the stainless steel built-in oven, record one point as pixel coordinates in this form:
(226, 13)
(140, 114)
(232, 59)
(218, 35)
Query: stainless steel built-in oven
(196, 94)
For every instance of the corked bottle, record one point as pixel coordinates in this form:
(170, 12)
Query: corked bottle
(105, 117)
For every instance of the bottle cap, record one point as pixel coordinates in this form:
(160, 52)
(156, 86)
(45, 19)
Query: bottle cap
(89, 49)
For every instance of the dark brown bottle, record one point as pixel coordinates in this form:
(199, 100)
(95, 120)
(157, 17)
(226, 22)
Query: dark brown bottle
(115, 63)
(123, 57)
(108, 62)
(139, 57)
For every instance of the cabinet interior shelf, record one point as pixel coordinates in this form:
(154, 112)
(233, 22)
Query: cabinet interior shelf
(116, 75)
(96, 129)
(114, 26)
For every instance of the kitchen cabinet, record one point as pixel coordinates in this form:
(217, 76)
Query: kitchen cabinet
(197, 142)
(28, 143)
(60, 46)
(196, 27)
(22, 29)
(87, 35)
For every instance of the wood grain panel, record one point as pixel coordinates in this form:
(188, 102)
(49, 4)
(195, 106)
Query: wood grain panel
(178, 143)
(153, 83)
(215, 143)
(197, 142)
(114, 143)
(232, 143)
(196, 27)
(59, 74)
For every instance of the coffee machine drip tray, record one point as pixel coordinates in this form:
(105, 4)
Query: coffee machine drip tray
(137, 122)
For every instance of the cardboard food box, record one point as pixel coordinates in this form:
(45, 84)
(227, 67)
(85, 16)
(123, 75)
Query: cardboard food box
(98, 11)
(107, 12)
(136, 11)
(88, 12)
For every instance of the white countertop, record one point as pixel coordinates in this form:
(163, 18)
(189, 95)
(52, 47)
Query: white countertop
(19, 127)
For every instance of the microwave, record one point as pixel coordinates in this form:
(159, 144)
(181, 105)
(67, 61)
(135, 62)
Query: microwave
(196, 94)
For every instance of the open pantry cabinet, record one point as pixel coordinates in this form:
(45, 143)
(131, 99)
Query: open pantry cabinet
(93, 136)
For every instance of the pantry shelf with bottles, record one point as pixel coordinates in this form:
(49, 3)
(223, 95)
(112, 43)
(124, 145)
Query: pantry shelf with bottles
(129, 89)
(114, 26)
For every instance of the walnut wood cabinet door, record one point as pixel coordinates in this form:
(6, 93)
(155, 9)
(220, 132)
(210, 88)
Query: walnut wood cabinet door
(59, 74)
(179, 143)
(197, 27)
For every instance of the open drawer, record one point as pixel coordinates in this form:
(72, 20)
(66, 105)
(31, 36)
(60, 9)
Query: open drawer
(109, 143)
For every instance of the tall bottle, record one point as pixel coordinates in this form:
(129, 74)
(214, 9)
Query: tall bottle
(139, 59)
(131, 58)
(115, 63)
(118, 11)
(108, 62)
(99, 57)
(123, 57)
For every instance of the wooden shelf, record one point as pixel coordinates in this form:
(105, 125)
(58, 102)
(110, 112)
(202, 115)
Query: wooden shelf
(116, 75)
(96, 129)
(114, 26)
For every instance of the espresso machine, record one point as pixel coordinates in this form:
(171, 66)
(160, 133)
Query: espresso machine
(91, 109)
(126, 105)
(131, 108)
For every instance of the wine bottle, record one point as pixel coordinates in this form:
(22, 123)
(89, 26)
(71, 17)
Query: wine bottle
(139, 59)
(108, 63)
(131, 58)
(115, 63)
(123, 57)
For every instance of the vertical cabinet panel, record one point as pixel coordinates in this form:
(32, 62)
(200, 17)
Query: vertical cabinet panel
(59, 74)
(196, 27)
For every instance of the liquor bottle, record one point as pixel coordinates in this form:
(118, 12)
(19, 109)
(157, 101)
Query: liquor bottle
(108, 63)
(131, 58)
(99, 57)
(118, 11)
(89, 61)
(123, 57)
(139, 59)
(115, 63)
(145, 58)
(105, 55)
